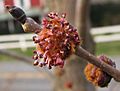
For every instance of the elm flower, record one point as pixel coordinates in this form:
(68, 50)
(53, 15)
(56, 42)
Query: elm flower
(55, 41)
(96, 75)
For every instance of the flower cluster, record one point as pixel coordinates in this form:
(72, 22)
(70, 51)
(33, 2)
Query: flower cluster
(96, 75)
(55, 41)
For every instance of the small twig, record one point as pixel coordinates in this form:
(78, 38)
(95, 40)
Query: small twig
(92, 59)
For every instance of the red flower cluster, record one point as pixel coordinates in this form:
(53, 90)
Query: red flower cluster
(96, 75)
(55, 41)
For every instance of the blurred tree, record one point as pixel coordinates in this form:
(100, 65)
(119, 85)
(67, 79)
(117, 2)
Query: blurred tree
(71, 78)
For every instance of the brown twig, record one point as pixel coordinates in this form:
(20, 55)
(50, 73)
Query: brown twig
(94, 60)
(79, 52)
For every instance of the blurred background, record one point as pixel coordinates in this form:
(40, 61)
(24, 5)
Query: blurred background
(98, 23)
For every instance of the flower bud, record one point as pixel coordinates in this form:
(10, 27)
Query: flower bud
(17, 13)
(28, 24)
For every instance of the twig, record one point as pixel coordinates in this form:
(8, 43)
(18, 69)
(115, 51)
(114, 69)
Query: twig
(92, 59)
(79, 50)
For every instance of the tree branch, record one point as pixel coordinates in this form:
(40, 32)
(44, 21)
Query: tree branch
(79, 50)
(92, 59)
